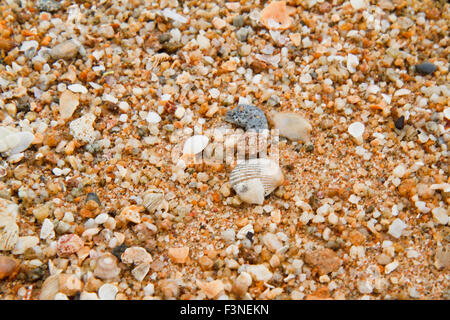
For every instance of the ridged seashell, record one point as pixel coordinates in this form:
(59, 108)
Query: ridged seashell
(106, 267)
(49, 288)
(152, 199)
(256, 178)
(9, 235)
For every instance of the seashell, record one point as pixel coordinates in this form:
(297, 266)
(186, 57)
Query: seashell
(49, 288)
(136, 255)
(107, 292)
(106, 267)
(256, 178)
(152, 199)
(195, 144)
(21, 141)
(9, 267)
(9, 235)
(68, 244)
(292, 126)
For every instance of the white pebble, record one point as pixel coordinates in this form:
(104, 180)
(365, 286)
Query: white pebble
(153, 117)
(396, 228)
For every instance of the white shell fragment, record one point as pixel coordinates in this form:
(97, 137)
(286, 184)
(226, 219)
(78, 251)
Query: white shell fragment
(356, 130)
(9, 231)
(256, 178)
(152, 199)
(195, 144)
(292, 126)
(13, 141)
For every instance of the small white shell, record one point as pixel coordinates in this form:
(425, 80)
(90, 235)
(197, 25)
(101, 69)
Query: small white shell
(195, 144)
(256, 178)
(152, 199)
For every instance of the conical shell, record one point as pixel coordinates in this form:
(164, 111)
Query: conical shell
(265, 170)
(152, 199)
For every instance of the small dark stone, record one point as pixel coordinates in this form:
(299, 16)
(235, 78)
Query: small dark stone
(426, 68)
(164, 37)
(250, 235)
(314, 75)
(248, 117)
(400, 123)
(309, 148)
(238, 21)
(93, 196)
(117, 251)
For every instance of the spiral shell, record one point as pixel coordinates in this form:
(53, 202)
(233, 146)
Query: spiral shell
(106, 267)
(256, 178)
(152, 199)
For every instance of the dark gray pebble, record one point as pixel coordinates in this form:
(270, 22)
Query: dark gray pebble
(248, 117)
(426, 68)
(117, 251)
(93, 196)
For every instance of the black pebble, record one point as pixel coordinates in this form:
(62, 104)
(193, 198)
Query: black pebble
(426, 68)
(117, 251)
(400, 123)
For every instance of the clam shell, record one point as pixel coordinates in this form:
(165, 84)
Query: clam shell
(248, 177)
(152, 199)
(9, 235)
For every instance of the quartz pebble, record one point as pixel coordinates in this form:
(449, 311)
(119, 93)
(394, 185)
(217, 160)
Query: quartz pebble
(212, 288)
(325, 260)
(356, 130)
(65, 50)
(48, 5)
(259, 272)
(396, 228)
(179, 255)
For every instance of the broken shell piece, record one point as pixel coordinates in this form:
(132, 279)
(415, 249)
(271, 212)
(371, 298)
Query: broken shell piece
(152, 199)
(292, 126)
(13, 141)
(9, 235)
(256, 178)
(356, 130)
(68, 103)
(276, 16)
(195, 145)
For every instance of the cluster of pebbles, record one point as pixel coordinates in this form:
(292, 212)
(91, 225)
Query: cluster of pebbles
(103, 105)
